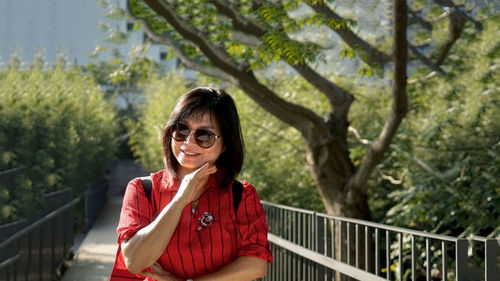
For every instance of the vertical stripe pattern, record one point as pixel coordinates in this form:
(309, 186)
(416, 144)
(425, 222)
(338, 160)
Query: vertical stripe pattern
(206, 240)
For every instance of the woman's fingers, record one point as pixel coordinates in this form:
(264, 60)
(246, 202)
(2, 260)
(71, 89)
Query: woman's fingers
(160, 274)
(156, 267)
(193, 183)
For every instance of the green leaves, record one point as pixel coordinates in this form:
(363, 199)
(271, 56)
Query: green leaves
(57, 124)
(277, 46)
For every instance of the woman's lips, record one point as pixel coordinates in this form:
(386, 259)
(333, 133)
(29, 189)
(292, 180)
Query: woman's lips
(190, 154)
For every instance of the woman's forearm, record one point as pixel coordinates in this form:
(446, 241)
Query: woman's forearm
(243, 268)
(147, 244)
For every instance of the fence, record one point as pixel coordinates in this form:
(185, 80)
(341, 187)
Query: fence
(314, 246)
(37, 250)
(95, 199)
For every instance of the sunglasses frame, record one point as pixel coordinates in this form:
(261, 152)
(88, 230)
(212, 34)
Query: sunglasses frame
(196, 135)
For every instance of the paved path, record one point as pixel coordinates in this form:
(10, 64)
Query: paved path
(94, 258)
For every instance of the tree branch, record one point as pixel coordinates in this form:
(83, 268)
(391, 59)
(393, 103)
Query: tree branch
(425, 60)
(376, 150)
(423, 78)
(455, 28)
(413, 17)
(239, 22)
(375, 57)
(167, 41)
(339, 98)
(292, 114)
(449, 4)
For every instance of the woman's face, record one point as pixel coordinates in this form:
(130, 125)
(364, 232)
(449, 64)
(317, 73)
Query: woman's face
(188, 153)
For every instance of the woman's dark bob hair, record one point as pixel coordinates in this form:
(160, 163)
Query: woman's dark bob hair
(221, 106)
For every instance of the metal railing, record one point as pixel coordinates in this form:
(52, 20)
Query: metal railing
(36, 251)
(315, 246)
(95, 198)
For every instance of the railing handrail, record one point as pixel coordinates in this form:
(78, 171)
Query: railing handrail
(324, 260)
(11, 172)
(37, 223)
(286, 224)
(381, 226)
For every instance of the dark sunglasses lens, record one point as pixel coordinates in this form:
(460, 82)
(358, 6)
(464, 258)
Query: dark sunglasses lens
(180, 132)
(204, 138)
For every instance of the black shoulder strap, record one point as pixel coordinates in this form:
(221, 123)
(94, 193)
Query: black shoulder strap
(147, 185)
(237, 191)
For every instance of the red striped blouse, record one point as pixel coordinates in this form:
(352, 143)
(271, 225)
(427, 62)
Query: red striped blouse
(205, 239)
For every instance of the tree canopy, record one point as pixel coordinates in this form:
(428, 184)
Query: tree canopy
(234, 41)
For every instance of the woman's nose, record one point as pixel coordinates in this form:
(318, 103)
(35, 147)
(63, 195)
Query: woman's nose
(191, 139)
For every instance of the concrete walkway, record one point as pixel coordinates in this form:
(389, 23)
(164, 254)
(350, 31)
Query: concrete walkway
(95, 256)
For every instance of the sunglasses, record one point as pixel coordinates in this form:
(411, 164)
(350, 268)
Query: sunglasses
(204, 138)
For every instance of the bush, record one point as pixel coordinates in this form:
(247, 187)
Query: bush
(57, 125)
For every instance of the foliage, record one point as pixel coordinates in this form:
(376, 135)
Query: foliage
(402, 189)
(55, 123)
(448, 152)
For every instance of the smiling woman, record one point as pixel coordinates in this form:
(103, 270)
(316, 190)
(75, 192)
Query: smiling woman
(190, 228)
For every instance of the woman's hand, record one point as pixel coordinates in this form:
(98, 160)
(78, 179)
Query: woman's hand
(159, 274)
(192, 184)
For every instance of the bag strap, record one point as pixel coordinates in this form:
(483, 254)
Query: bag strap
(147, 185)
(237, 191)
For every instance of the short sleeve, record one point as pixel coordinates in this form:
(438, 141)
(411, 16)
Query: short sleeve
(136, 211)
(251, 226)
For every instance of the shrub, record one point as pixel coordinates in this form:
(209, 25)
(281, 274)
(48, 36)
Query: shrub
(56, 124)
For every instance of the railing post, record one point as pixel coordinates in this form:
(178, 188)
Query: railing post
(461, 259)
(320, 244)
(491, 271)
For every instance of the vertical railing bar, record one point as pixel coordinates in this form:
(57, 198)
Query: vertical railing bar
(40, 253)
(413, 259)
(357, 245)
(340, 241)
(315, 243)
(53, 243)
(388, 254)
(304, 266)
(333, 238)
(310, 229)
(288, 260)
(428, 259)
(281, 270)
(325, 236)
(275, 264)
(294, 237)
(283, 223)
(299, 233)
(400, 236)
(325, 248)
(492, 250)
(287, 252)
(376, 252)
(444, 261)
(348, 229)
(312, 243)
(366, 248)
(461, 259)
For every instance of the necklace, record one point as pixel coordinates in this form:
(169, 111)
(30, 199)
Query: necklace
(194, 205)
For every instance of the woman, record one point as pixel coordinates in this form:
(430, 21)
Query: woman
(191, 229)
